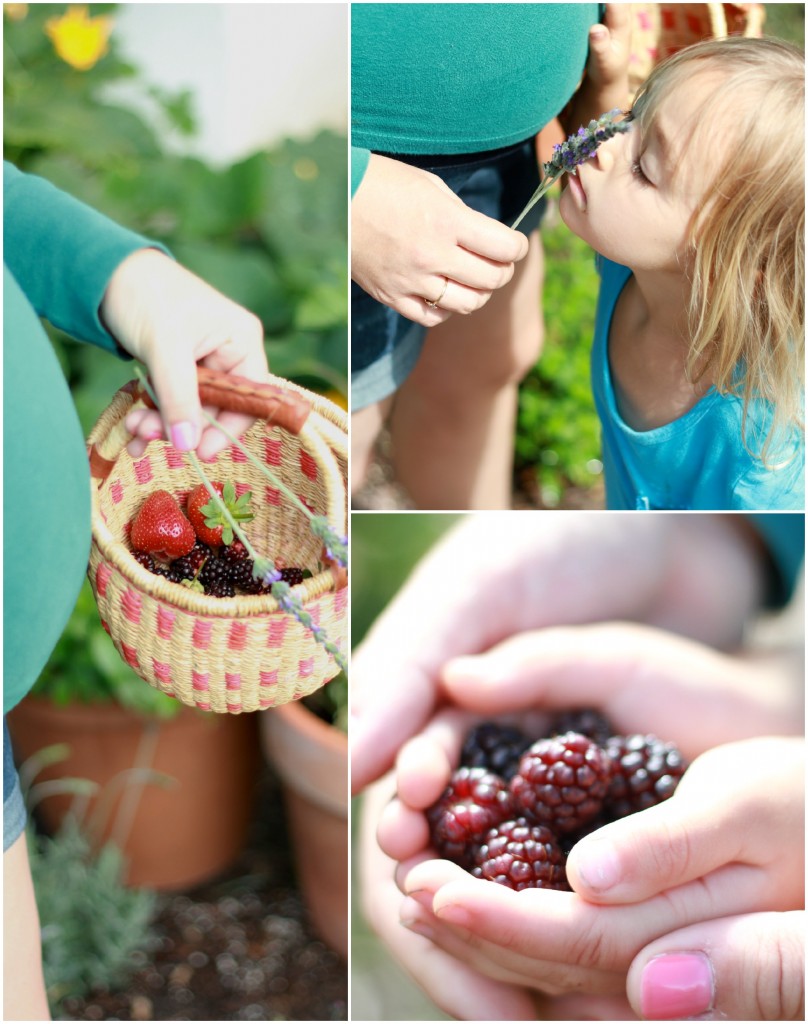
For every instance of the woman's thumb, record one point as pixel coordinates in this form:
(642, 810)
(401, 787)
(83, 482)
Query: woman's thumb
(176, 389)
(735, 968)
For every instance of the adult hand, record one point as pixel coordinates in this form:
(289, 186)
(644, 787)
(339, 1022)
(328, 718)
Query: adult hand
(694, 875)
(456, 988)
(171, 320)
(488, 579)
(413, 241)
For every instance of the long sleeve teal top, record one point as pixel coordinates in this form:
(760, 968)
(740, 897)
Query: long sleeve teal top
(59, 256)
(460, 78)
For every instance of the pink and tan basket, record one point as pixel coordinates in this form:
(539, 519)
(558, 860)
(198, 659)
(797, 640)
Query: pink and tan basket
(241, 653)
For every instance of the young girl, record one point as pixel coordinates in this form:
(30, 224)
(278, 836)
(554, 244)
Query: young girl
(698, 216)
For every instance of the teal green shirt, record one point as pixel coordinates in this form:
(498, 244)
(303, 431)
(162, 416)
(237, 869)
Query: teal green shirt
(461, 78)
(59, 256)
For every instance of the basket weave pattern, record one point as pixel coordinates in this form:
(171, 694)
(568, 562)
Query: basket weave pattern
(223, 654)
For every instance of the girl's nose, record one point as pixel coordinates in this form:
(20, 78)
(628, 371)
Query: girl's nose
(606, 152)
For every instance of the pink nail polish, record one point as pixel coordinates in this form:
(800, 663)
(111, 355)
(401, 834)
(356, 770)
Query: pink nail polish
(183, 436)
(676, 986)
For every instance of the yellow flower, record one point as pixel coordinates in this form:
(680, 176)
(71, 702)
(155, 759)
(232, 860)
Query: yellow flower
(15, 12)
(79, 40)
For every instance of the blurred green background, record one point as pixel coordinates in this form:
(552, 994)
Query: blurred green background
(269, 230)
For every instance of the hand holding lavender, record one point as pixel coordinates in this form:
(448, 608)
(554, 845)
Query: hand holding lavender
(577, 149)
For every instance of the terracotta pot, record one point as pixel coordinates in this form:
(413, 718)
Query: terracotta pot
(174, 835)
(311, 758)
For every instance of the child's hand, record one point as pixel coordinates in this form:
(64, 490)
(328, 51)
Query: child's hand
(728, 843)
(605, 85)
(609, 49)
(171, 320)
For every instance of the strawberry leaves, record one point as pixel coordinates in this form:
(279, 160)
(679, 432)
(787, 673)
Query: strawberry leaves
(208, 519)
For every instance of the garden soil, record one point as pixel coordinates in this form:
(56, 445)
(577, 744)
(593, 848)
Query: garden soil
(238, 948)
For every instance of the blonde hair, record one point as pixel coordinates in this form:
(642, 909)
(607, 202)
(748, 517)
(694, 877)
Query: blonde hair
(747, 235)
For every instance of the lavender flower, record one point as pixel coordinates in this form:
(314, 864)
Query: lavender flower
(336, 547)
(291, 604)
(576, 150)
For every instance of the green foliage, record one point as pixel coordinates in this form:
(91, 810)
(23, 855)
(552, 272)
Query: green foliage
(85, 668)
(93, 926)
(558, 434)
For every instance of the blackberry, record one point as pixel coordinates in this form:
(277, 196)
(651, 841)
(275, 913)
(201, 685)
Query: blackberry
(586, 721)
(292, 576)
(184, 567)
(145, 559)
(521, 856)
(495, 747)
(646, 772)
(220, 588)
(235, 552)
(215, 577)
(473, 803)
(562, 782)
(241, 575)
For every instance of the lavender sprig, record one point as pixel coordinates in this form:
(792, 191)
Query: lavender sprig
(576, 150)
(292, 605)
(336, 546)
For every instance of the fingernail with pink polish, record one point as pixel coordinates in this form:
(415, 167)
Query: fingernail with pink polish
(676, 986)
(183, 436)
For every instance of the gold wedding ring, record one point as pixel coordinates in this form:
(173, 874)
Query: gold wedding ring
(436, 303)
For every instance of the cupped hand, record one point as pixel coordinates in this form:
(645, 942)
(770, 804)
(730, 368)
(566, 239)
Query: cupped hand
(413, 241)
(491, 577)
(171, 320)
(456, 988)
(729, 843)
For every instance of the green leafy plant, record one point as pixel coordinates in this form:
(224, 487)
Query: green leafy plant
(95, 929)
(93, 926)
(558, 433)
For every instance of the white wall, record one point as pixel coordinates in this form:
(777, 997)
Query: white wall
(257, 72)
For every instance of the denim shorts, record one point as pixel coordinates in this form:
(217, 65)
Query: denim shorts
(14, 815)
(385, 345)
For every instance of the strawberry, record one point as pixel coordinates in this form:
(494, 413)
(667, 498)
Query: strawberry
(209, 521)
(160, 527)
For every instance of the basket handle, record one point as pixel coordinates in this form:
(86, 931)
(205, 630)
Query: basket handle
(277, 405)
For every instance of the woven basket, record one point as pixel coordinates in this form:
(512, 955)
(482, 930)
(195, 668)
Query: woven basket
(660, 30)
(225, 654)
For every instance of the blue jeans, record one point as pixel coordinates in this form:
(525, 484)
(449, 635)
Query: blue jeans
(385, 345)
(14, 814)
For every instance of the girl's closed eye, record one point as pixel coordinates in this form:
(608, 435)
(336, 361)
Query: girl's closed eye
(640, 175)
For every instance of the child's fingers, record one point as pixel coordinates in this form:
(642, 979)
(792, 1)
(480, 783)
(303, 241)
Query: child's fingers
(458, 987)
(401, 831)
(575, 932)
(735, 804)
(425, 762)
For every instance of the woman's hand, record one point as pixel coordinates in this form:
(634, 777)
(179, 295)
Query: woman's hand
(414, 242)
(700, 576)
(171, 320)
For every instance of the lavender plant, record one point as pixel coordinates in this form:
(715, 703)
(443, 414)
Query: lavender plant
(576, 150)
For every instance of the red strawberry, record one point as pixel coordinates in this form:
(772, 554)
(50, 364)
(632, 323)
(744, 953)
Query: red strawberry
(161, 528)
(210, 523)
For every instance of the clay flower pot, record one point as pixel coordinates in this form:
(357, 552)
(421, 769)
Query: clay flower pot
(174, 835)
(311, 758)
